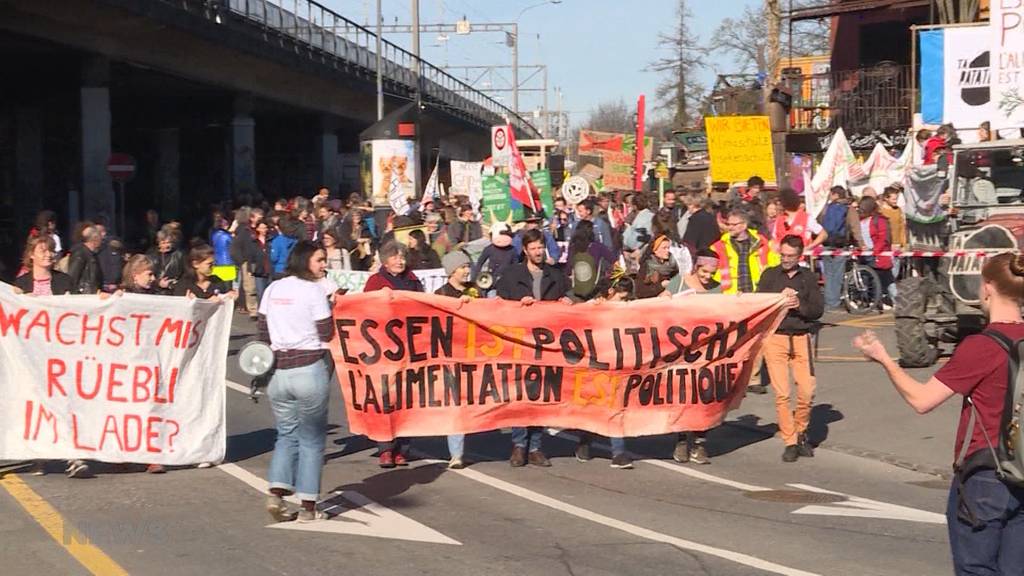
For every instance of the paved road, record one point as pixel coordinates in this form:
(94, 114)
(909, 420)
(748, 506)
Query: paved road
(747, 513)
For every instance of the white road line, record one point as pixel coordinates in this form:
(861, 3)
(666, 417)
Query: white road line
(679, 469)
(237, 387)
(628, 528)
(705, 476)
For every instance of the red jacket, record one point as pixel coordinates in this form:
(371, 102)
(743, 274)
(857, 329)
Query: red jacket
(383, 280)
(879, 231)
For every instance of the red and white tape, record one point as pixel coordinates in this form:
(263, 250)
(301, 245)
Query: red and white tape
(910, 253)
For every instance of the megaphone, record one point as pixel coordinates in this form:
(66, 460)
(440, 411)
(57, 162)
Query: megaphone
(484, 280)
(256, 359)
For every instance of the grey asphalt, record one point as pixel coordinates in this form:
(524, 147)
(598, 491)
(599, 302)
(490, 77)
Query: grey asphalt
(650, 520)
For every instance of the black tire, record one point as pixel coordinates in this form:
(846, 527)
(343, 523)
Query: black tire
(866, 298)
(915, 348)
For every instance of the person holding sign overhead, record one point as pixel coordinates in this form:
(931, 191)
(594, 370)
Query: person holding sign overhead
(295, 318)
(528, 282)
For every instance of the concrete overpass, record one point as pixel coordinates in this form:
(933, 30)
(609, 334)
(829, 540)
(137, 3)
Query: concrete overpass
(215, 98)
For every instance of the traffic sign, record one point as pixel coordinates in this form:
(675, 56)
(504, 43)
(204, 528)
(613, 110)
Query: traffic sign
(121, 167)
(500, 153)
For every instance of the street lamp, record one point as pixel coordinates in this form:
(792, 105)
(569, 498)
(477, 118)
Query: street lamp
(515, 52)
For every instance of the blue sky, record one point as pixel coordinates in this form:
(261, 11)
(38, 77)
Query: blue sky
(596, 50)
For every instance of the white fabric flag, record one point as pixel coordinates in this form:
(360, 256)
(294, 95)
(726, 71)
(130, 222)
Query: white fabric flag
(132, 378)
(430, 191)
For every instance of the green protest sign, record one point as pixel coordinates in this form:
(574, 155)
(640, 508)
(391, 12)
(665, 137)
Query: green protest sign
(496, 206)
(542, 179)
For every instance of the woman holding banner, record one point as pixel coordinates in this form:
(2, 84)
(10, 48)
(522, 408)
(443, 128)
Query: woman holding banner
(295, 318)
(41, 279)
(394, 274)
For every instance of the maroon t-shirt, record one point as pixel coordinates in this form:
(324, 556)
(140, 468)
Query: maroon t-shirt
(978, 368)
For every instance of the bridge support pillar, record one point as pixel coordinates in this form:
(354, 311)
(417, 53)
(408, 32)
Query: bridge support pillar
(242, 150)
(329, 170)
(167, 172)
(97, 189)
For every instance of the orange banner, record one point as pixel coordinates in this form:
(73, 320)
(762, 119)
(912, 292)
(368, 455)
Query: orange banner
(412, 364)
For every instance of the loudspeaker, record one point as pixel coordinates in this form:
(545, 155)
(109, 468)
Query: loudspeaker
(256, 359)
(556, 166)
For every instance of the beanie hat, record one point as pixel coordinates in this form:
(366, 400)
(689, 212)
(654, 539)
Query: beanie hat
(452, 261)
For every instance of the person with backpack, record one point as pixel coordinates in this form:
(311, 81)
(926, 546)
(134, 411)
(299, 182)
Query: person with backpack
(589, 261)
(985, 509)
(835, 221)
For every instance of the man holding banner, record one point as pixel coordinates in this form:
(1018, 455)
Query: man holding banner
(531, 281)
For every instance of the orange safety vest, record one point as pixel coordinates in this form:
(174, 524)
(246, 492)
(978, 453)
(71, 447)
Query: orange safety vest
(761, 257)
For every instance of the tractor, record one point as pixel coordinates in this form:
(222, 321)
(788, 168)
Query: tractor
(938, 305)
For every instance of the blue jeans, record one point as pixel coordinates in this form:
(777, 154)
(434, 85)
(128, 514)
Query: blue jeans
(298, 399)
(519, 437)
(994, 547)
(897, 263)
(833, 268)
(261, 286)
(456, 445)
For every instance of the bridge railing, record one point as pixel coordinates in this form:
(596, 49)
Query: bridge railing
(329, 33)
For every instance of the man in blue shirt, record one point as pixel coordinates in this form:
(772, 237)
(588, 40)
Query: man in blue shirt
(602, 231)
(533, 222)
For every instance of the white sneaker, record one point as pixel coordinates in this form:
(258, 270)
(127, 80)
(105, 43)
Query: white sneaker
(278, 509)
(204, 465)
(78, 469)
(456, 463)
(311, 515)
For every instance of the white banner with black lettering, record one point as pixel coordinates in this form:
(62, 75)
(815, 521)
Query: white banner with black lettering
(131, 378)
(353, 280)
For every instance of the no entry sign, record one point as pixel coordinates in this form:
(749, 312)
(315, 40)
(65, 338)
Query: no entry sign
(500, 153)
(121, 167)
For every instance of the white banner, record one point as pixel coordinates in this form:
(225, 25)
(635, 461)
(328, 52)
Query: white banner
(1006, 31)
(966, 97)
(128, 379)
(467, 181)
(354, 280)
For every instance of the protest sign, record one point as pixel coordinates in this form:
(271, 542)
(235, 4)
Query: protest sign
(466, 181)
(955, 76)
(618, 170)
(542, 179)
(132, 378)
(740, 147)
(353, 281)
(497, 204)
(393, 174)
(412, 364)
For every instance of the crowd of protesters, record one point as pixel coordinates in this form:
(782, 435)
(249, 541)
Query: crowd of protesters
(609, 247)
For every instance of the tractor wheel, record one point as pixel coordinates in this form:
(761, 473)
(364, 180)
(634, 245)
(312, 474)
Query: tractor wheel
(916, 349)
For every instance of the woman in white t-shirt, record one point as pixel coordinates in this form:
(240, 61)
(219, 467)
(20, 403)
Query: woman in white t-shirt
(295, 318)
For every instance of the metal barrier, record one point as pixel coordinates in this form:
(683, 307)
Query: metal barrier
(331, 35)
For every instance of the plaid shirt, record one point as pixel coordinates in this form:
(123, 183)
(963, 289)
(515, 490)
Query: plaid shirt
(285, 359)
(744, 281)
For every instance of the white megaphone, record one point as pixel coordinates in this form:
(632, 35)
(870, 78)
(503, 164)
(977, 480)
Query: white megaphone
(256, 359)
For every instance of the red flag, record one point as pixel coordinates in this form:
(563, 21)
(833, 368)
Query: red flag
(520, 187)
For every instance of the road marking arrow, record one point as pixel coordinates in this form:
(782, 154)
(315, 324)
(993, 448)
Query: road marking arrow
(367, 519)
(864, 508)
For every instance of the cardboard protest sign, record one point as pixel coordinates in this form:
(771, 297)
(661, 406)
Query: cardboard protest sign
(128, 379)
(740, 147)
(412, 364)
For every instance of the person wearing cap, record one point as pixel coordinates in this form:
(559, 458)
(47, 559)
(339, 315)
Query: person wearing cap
(498, 255)
(533, 221)
(457, 267)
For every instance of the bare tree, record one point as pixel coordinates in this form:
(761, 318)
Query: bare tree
(746, 38)
(612, 116)
(679, 88)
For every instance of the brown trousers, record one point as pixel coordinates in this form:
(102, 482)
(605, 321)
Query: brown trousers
(782, 352)
(249, 288)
